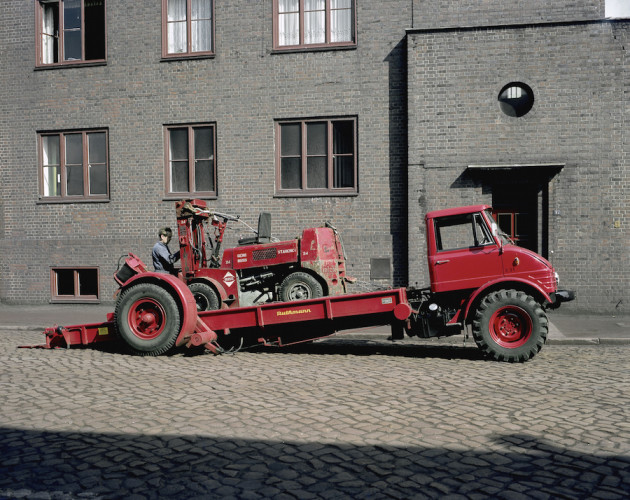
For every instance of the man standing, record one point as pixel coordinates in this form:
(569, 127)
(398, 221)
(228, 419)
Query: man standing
(163, 259)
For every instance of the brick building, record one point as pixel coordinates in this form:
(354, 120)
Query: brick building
(364, 113)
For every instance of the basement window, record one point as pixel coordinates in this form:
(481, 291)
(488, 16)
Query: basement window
(70, 31)
(71, 284)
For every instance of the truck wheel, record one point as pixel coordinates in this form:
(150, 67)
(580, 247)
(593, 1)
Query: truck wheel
(300, 286)
(147, 319)
(510, 326)
(205, 296)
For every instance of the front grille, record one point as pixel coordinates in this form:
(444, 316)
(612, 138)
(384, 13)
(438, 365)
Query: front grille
(265, 254)
(546, 279)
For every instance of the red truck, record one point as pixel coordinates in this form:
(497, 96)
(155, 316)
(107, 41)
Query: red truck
(479, 280)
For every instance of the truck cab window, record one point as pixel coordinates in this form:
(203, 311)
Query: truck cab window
(461, 231)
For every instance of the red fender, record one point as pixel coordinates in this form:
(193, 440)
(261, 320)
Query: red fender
(183, 295)
(480, 291)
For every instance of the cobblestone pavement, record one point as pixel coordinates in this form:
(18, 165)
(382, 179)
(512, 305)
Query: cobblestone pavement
(337, 419)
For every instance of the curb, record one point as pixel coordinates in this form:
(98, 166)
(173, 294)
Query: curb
(593, 341)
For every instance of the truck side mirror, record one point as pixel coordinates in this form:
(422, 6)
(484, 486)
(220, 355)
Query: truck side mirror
(495, 233)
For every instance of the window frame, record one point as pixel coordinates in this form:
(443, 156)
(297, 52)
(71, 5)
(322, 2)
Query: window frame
(63, 197)
(76, 297)
(305, 191)
(171, 195)
(468, 226)
(189, 54)
(327, 44)
(39, 32)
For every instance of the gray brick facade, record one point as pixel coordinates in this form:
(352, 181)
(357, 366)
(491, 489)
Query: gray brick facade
(572, 145)
(422, 85)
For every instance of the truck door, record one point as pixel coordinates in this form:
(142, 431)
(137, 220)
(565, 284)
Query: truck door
(465, 254)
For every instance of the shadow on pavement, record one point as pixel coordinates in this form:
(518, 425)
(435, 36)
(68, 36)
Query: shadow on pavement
(329, 347)
(41, 464)
(371, 348)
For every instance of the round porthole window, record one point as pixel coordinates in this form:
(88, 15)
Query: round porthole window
(516, 99)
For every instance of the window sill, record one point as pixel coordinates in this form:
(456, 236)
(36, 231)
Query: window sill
(318, 48)
(74, 300)
(69, 201)
(320, 194)
(186, 57)
(189, 196)
(78, 64)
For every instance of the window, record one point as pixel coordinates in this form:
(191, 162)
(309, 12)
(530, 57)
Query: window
(74, 284)
(313, 23)
(461, 231)
(74, 166)
(516, 99)
(316, 157)
(70, 31)
(187, 28)
(190, 160)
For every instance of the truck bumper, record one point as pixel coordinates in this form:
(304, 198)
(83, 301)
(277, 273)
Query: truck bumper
(559, 297)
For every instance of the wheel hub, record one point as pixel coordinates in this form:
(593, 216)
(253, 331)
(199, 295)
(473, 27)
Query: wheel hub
(147, 319)
(299, 292)
(510, 326)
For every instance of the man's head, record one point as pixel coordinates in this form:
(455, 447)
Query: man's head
(165, 234)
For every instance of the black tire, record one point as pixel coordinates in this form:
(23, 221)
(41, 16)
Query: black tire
(205, 296)
(300, 286)
(510, 325)
(147, 319)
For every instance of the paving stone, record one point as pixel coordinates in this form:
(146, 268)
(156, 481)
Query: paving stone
(274, 440)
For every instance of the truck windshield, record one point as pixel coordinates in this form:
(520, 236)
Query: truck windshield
(505, 239)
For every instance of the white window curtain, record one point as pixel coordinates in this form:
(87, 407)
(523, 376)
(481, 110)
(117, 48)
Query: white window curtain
(288, 22)
(314, 21)
(341, 21)
(201, 25)
(50, 163)
(48, 33)
(177, 41)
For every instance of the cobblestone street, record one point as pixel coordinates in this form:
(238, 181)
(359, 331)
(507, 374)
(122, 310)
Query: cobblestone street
(335, 419)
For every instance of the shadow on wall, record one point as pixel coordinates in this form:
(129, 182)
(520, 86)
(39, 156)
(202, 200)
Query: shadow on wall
(398, 159)
(47, 464)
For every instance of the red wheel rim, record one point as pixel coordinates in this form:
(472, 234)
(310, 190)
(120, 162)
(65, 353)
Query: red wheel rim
(510, 327)
(147, 318)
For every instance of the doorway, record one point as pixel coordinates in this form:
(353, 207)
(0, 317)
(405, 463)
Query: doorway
(515, 209)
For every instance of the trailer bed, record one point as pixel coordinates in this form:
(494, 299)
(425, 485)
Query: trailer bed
(277, 323)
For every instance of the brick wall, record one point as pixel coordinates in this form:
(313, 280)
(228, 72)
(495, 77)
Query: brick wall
(243, 90)
(429, 14)
(578, 73)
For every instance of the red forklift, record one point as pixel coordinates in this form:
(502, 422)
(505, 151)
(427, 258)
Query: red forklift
(260, 269)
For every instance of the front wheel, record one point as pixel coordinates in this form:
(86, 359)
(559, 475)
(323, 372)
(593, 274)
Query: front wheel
(510, 325)
(300, 286)
(147, 319)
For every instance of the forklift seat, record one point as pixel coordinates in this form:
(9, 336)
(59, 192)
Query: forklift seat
(264, 231)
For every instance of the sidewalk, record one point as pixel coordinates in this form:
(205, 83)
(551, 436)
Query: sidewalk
(564, 328)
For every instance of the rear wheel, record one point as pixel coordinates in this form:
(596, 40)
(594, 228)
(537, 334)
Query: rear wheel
(205, 296)
(147, 319)
(510, 325)
(300, 286)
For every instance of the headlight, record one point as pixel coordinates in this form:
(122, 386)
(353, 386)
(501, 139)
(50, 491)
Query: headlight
(557, 279)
